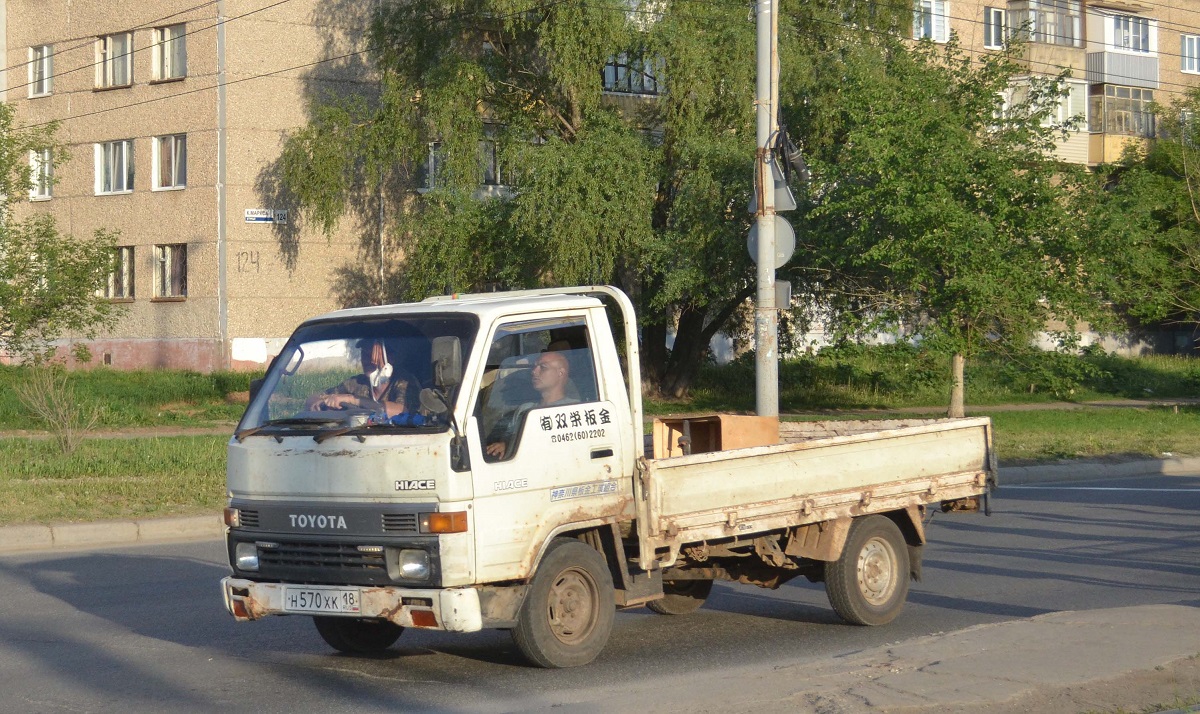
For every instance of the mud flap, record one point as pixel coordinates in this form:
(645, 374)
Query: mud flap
(914, 561)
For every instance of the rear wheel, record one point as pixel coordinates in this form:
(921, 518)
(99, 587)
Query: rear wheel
(357, 636)
(568, 612)
(868, 584)
(681, 597)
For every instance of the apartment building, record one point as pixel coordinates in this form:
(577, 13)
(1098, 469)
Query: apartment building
(173, 113)
(1123, 56)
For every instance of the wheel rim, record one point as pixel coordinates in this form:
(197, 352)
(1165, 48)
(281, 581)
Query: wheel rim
(876, 571)
(573, 606)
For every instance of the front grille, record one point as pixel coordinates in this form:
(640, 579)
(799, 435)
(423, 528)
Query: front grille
(400, 523)
(249, 518)
(341, 556)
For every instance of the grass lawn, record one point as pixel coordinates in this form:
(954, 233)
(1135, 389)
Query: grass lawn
(1023, 437)
(111, 478)
(162, 398)
(139, 477)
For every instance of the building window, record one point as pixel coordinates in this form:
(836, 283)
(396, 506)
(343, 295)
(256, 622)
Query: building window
(41, 175)
(1121, 110)
(114, 167)
(170, 271)
(1131, 33)
(1189, 54)
(120, 280)
(170, 53)
(995, 26)
(41, 70)
(170, 161)
(1053, 22)
(931, 20)
(114, 60)
(636, 75)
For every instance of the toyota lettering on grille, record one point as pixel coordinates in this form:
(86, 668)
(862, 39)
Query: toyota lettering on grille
(305, 520)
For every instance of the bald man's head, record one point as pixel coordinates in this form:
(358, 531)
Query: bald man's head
(550, 375)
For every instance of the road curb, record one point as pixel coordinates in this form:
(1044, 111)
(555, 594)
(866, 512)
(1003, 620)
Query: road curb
(75, 536)
(1086, 470)
(14, 539)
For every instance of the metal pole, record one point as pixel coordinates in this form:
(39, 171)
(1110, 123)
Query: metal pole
(766, 319)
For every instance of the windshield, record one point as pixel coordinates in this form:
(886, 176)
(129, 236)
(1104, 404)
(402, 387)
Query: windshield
(363, 373)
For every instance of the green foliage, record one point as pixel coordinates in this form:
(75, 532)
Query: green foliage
(138, 398)
(937, 208)
(856, 376)
(636, 193)
(110, 478)
(48, 281)
(1152, 205)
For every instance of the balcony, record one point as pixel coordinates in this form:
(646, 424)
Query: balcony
(1122, 68)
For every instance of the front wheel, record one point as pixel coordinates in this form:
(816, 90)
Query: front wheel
(356, 636)
(568, 612)
(681, 597)
(868, 583)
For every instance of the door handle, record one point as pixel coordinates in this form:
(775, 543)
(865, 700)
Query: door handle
(601, 453)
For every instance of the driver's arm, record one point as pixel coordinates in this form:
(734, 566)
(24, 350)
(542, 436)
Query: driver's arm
(332, 398)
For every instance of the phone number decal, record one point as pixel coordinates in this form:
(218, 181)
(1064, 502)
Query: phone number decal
(577, 435)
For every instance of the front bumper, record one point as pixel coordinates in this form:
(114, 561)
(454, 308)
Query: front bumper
(453, 609)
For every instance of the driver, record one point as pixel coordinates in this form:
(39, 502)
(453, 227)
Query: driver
(380, 383)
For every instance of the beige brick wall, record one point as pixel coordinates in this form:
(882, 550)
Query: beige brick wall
(268, 287)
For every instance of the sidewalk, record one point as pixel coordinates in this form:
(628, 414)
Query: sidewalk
(1100, 661)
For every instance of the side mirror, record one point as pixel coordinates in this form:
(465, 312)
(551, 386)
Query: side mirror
(433, 402)
(447, 362)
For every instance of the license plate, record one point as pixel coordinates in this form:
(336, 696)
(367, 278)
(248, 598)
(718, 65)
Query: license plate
(311, 598)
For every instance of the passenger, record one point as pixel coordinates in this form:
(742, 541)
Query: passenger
(550, 377)
(380, 386)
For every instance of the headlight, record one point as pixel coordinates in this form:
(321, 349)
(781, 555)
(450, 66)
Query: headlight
(245, 556)
(414, 564)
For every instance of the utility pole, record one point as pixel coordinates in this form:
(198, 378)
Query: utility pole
(766, 319)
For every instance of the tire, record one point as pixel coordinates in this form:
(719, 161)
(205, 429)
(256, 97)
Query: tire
(868, 583)
(357, 636)
(568, 612)
(681, 597)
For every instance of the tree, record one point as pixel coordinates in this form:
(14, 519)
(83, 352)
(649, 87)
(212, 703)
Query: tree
(936, 206)
(649, 195)
(48, 281)
(1154, 205)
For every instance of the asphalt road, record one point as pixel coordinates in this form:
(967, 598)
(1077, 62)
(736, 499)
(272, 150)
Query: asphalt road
(143, 629)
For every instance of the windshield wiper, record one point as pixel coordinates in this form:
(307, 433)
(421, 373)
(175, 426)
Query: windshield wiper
(292, 421)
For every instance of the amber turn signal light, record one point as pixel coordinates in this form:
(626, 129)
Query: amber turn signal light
(447, 522)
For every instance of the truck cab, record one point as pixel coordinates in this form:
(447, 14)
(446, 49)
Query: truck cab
(419, 496)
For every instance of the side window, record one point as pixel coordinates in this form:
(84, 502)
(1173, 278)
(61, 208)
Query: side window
(532, 364)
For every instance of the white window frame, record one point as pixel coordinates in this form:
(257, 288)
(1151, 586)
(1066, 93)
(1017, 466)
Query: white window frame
(169, 156)
(995, 28)
(170, 271)
(114, 160)
(41, 70)
(41, 175)
(1052, 22)
(170, 53)
(931, 19)
(111, 60)
(120, 280)
(1133, 34)
(1189, 54)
